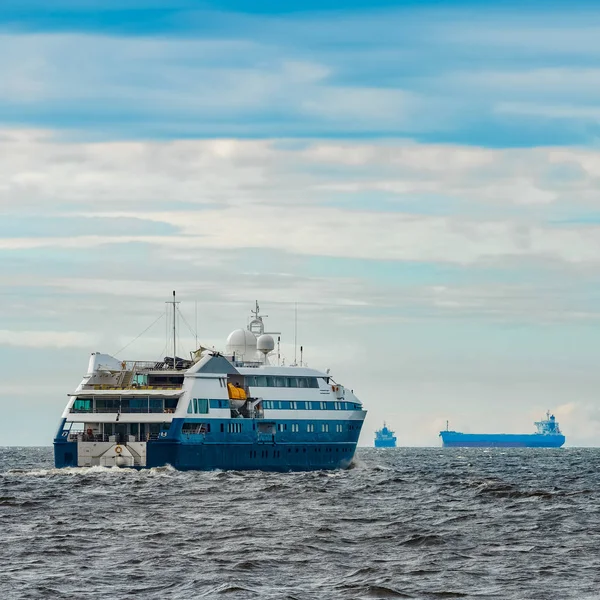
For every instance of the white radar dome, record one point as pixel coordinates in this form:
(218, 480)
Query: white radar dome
(242, 343)
(265, 344)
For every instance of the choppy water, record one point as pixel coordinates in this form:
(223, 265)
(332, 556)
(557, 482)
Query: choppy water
(404, 523)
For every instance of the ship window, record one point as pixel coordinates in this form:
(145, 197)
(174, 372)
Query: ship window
(250, 380)
(201, 405)
(135, 405)
(155, 405)
(193, 428)
(82, 405)
(280, 381)
(292, 382)
(171, 404)
(325, 427)
(270, 381)
(260, 381)
(323, 405)
(312, 382)
(302, 382)
(217, 404)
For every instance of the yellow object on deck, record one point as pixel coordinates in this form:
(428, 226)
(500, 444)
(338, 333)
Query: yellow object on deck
(236, 392)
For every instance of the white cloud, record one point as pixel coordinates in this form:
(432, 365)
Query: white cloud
(47, 339)
(354, 200)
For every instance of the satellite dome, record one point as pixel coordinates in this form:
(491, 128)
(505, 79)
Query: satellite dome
(242, 344)
(265, 344)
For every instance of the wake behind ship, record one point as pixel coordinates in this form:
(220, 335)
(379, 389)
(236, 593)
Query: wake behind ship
(548, 435)
(216, 411)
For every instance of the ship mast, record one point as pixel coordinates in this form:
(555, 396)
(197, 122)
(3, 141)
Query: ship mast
(174, 303)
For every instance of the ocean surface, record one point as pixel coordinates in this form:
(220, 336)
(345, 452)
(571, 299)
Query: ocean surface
(402, 523)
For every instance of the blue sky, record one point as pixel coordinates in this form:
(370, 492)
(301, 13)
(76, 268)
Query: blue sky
(421, 178)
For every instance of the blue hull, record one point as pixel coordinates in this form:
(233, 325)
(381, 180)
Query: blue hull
(236, 456)
(253, 457)
(453, 439)
(385, 443)
(247, 449)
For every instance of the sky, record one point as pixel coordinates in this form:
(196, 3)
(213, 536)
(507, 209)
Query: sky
(421, 179)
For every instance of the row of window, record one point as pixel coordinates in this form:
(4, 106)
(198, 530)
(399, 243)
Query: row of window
(201, 405)
(238, 427)
(143, 404)
(308, 405)
(277, 453)
(280, 381)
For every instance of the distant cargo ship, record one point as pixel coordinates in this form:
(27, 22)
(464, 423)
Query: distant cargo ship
(548, 435)
(385, 438)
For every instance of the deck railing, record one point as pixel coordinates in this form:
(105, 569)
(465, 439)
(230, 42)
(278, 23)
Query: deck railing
(115, 438)
(124, 411)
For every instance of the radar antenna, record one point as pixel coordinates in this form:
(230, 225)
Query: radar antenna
(256, 325)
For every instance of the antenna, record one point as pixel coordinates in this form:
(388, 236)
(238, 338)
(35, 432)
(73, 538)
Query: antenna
(278, 350)
(447, 426)
(301, 350)
(256, 310)
(174, 303)
(196, 323)
(295, 330)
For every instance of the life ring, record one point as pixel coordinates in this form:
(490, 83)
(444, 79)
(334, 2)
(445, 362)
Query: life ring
(89, 432)
(118, 449)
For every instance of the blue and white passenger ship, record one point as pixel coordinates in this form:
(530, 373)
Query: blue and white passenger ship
(216, 411)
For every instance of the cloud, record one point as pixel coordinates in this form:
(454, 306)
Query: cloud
(397, 201)
(47, 339)
(220, 73)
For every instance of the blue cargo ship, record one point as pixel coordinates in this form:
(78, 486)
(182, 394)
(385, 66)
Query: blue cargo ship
(231, 410)
(548, 435)
(385, 438)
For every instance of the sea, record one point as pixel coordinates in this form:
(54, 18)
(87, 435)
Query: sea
(426, 523)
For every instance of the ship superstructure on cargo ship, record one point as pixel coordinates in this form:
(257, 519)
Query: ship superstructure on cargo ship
(385, 438)
(548, 435)
(216, 411)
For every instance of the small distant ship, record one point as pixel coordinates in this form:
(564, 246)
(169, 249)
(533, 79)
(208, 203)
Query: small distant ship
(548, 435)
(385, 438)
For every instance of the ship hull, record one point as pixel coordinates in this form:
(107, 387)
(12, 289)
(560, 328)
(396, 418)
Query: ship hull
(385, 443)
(234, 456)
(452, 439)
